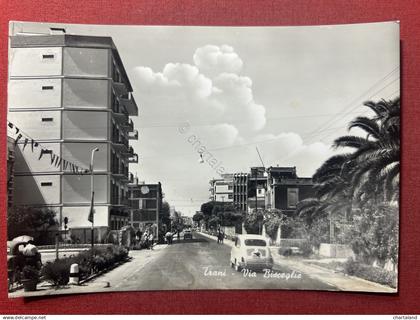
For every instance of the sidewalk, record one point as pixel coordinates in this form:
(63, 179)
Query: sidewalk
(98, 283)
(338, 280)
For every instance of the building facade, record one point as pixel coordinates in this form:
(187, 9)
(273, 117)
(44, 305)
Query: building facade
(221, 190)
(10, 170)
(257, 186)
(285, 189)
(146, 205)
(71, 94)
(240, 191)
(261, 188)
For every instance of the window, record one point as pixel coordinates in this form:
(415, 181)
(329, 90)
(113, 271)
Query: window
(47, 119)
(230, 187)
(259, 191)
(255, 243)
(47, 87)
(48, 56)
(292, 197)
(230, 196)
(46, 184)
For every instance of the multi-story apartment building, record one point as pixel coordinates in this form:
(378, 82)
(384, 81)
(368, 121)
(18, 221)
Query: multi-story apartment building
(221, 190)
(261, 188)
(146, 205)
(285, 189)
(71, 94)
(10, 170)
(257, 185)
(240, 191)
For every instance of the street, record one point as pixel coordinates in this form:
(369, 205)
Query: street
(200, 263)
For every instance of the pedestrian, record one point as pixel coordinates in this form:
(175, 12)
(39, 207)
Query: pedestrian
(146, 240)
(32, 255)
(220, 237)
(151, 238)
(168, 237)
(138, 238)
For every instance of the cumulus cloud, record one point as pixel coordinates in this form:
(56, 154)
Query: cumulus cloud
(211, 88)
(218, 102)
(214, 60)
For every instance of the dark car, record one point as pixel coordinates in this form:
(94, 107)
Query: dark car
(187, 234)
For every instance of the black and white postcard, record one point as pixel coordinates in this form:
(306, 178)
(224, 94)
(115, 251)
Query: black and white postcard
(190, 158)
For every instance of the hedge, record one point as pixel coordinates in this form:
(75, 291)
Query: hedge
(90, 261)
(371, 273)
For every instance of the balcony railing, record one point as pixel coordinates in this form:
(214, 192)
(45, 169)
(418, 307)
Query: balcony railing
(129, 125)
(133, 135)
(130, 105)
(134, 158)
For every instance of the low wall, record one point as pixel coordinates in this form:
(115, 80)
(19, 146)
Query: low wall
(335, 251)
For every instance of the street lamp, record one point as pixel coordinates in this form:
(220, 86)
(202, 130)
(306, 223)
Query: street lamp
(91, 214)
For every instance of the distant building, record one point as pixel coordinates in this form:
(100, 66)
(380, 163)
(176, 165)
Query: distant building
(240, 191)
(221, 190)
(257, 185)
(285, 189)
(71, 94)
(261, 188)
(146, 205)
(187, 221)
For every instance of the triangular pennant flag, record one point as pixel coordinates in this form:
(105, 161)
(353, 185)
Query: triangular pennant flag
(18, 138)
(41, 154)
(56, 161)
(36, 144)
(52, 158)
(44, 151)
(65, 164)
(32, 145)
(59, 162)
(25, 143)
(17, 130)
(10, 125)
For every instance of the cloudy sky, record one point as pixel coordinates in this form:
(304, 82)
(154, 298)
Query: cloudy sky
(287, 90)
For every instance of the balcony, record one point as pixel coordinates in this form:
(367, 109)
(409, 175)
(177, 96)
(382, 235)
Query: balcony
(121, 118)
(129, 104)
(133, 135)
(120, 146)
(120, 89)
(129, 125)
(134, 158)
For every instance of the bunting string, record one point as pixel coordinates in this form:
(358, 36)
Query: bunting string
(55, 159)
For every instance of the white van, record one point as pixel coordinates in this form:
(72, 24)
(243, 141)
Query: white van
(251, 251)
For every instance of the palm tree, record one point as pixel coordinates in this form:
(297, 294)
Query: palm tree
(370, 173)
(376, 157)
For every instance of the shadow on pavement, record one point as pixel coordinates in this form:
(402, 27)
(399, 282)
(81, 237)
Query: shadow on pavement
(194, 240)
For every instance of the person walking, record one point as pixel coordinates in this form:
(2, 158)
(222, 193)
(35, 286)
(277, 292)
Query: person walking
(168, 237)
(151, 238)
(146, 240)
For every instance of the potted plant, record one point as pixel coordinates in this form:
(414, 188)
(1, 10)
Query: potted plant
(30, 278)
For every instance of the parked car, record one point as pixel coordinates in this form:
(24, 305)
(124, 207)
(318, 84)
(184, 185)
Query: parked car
(187, 234)
(251, 252)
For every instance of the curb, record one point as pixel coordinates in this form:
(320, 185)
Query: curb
(93, 276)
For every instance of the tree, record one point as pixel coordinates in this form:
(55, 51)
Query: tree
(253, 222)
(198, 216)
(374, 236)
(35, 222)
(359, 184)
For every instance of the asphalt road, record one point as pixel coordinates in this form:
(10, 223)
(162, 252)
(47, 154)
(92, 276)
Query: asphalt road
(199, 263)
